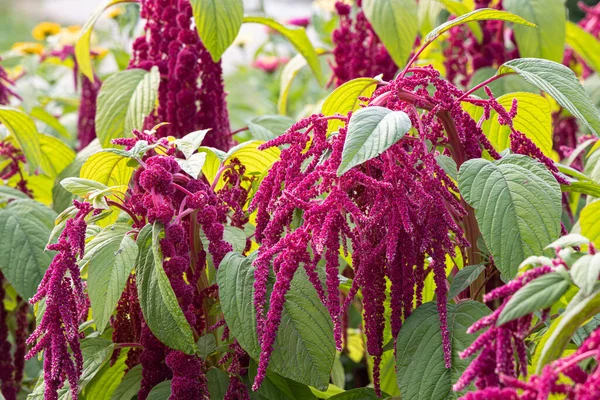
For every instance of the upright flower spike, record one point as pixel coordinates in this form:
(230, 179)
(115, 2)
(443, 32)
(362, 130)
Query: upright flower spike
(57, 334)
(86, 122)
(191, 93)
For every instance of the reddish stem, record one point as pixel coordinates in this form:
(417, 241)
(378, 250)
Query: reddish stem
(122, 207)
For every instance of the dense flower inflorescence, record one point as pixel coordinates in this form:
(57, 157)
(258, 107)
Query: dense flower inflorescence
(358, 51)
(86, 122)
(191, 93)
(6, 91)
(57, 334)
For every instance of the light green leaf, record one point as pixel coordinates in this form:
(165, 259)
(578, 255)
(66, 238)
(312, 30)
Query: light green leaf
(44, 116)
(207, 345)
(464, 278)
(299, 39)
(7, 194)
(508, 84)
(448, 165)
(346, 98)
(517, 204)
(193, 165)
(304, 350)
(548, 40)
(483, 14)
(82, 46)
(539, 294)
(108, 168)
(371, 131)
(190, 142)
(589, 219)
(584, 44)
(459, 8)
(288, 74)
(109, 266)
(81, 187)
(421, 372)
(106, 381)
(162, 391)
(23, 128)
(396, 24)
(570, 240)
(130, 385)
(560, 83)
(585, 272)
(269, 127)
(218, 23)
(218, 382)
(126, 93)
(157, 300)
(25, 226)
(143, 101)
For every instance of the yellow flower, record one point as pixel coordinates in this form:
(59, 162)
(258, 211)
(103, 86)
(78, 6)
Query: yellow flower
(115, 12)
(28, 48)
(45, 29)
(69, 35)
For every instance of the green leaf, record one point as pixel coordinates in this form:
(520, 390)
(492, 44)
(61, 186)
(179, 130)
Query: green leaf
(584, 44)
(570, 240)
(218, 382)
(218, 23)
(448, 165)
(589, 188)
(23, 128)
(130, 385)
(276, 387)
(108, 168)
(356, 394)
(548, 40)
(288, 74)
(109, 265)
(585, 272)
(517, 205)
(106, 381)
(421, 372)
(123, 98)
(539, 294)
(25, 226)
(396, 24)
(7, 194)
(190, 142)
(193, 165)
(500, 87)
(162, 391)
(567, 325)
(346, 98)
(143, 101)
(207, 345)
(371, 131)
(589, 219)
(269, 127)
(299, 39)
(560, 83)
(305, 323)
(483, 14)
(81, 187)
(82, 46)
(44, 116)
(464, 278)
(459, 8)
(157, 300)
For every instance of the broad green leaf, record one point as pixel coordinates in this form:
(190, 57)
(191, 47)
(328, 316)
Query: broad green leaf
(269, 127)
(207, 345)
(356, 394)
(125, 90)
(44, 116)
(589, 219)
(193, 165)
(539, 294)
(25, 226)
(517, 204)
(276, 387)
(570, 240)
(589, 188)
(508, 84)
(162, 391)
(7, 194)
(218, 23)
(299, 39)
(23, 128)
(157, 300)
(585, 272)
(428, 14)
(81, 187)
(346, 98)
(459, 8)
(567, 325)
(108, 168)
(584, 44)
(421, 371)
(305, 323)
(109, 266)
(464, 278)
(288, 74)
(371, 131)
(190, 142)
(534, 119)
(548, 40)
(483, 14)
(82, 46)
(106, 381)
(448, 165)
(143, 101)
(218, 382)
(130, 385)
(56, 155)
(396, 24)
(560, 83)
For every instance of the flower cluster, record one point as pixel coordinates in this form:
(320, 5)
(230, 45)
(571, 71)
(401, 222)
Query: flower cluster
(6, 92)
(358, 51)
(16, 160)
(503, 355)
(191, 93)
(464, 54)
(57, 334)
(11, 368)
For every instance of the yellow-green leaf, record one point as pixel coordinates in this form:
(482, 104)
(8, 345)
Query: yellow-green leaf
(585, 44)
(108, 168)
(346, 98)
(82, 46)
(459, 8)
(218, 23)
(23, 128)
(299, 39)
(289, 73)
(56, 156)
(589, 219)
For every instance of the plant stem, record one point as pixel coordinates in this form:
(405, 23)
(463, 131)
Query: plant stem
(127, 345)
(120, 206)
(482, 84)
